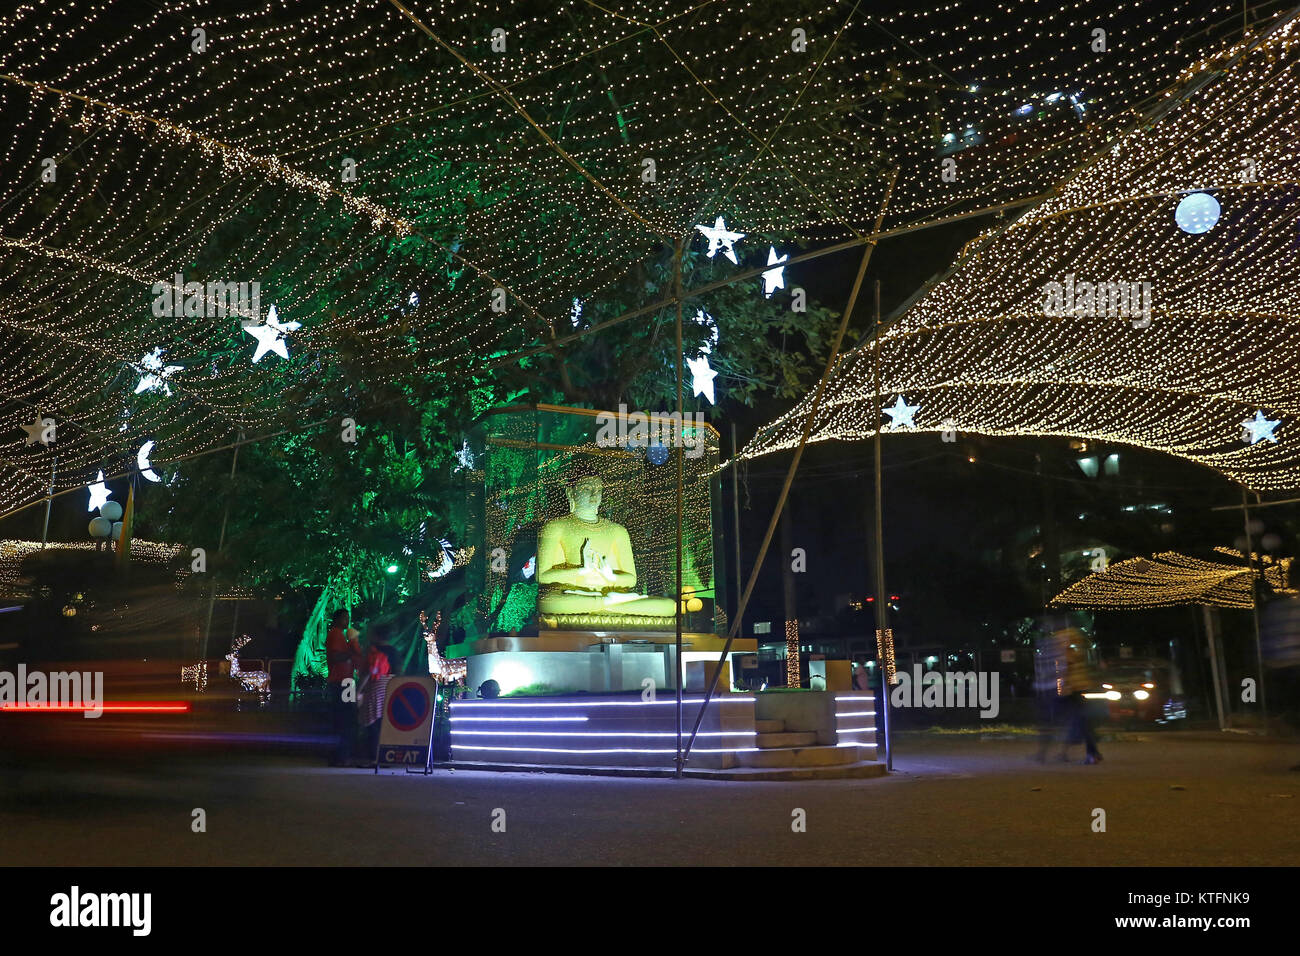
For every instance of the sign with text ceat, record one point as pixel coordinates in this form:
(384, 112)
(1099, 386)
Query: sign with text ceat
(408, 714)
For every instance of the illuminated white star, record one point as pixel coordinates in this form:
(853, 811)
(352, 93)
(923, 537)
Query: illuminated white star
(270, 335)
(721, 238)
(464, 457)
(41, 430)
(155, 374)
(99, 493)
(1259, 428)
(702, 377)
(142, 462)
(774, 279)
(901, 414)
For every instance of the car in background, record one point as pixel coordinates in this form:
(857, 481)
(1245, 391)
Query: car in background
(1137, 692)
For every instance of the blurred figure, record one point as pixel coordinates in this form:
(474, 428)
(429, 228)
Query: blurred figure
(1061, 675)
(343, 656)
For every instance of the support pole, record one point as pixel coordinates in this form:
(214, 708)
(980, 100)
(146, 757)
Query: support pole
(1254, 605)
(49, 500)
(678, 452)
(884, 637)
(221, 543)
(790, 472)
(1211, 639)
(735, 514)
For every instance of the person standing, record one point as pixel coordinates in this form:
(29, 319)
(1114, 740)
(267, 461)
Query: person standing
(343, 657)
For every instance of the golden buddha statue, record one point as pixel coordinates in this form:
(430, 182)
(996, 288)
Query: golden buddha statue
(586, 571)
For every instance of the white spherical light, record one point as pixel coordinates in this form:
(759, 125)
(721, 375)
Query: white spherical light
(1197, 213)
(100, 527)
(111, 510)
(117, 530)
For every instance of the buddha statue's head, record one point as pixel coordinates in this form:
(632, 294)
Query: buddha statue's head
(584, 493)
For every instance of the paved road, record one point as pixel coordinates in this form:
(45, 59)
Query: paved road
(953, 800)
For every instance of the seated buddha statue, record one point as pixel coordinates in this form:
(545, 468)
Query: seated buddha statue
(586, 571)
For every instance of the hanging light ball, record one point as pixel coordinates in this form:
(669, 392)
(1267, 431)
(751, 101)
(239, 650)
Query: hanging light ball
(117, 530)
(657, 453)
(1197, 213)
(111, 510)
(100, 527)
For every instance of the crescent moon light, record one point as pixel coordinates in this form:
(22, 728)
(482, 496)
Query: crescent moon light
(142, 461)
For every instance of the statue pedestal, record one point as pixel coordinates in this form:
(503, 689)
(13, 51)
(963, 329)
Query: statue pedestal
(596, 662)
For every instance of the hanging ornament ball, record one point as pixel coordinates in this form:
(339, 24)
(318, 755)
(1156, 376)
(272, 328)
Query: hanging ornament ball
(117, 530)
(1197, 213)
(111, 510)
(658, 454)
(69, 611)
(1271, 541)
(100, 527)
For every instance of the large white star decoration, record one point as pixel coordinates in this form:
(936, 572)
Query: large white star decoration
(901, 414)
(155, 374)
(774, 279)
(99, 493)
(1259, 428)
(702, 377)
(464, 457)
(721, 238)
(41, 430)
(709, 322)
(142, 462)
(270, 335)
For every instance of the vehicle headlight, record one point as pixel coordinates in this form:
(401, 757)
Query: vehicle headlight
(1113, 695)
(1141, 694)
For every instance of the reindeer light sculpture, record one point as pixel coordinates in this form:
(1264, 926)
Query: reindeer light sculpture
(257, 681)
(441, 669)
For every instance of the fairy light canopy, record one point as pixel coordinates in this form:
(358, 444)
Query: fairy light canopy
(1170, 579)
(1094, 315)
(386, 170)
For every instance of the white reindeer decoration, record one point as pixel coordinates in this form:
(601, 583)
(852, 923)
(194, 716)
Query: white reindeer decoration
(256, 681)
(440, 669)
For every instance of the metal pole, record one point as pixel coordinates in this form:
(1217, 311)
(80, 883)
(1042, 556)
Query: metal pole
(221, 543)
(678, 451)
(1210, 640)
(735, 514)
(1254, 604)
(883, 644)
(49, 500)
(831, 359)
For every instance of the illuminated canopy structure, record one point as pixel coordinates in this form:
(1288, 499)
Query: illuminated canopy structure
(993, 347)
(292, 144)
(1170, 579)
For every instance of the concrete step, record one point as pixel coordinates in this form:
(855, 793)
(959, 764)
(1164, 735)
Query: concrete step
(769, 726)
(802, 757)
(803, 738)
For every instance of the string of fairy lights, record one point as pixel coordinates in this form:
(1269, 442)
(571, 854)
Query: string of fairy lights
(1189, 224)
(142, 147)
(1169, 579)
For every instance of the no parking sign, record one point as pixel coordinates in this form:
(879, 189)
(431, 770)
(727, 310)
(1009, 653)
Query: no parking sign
(408, 720)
